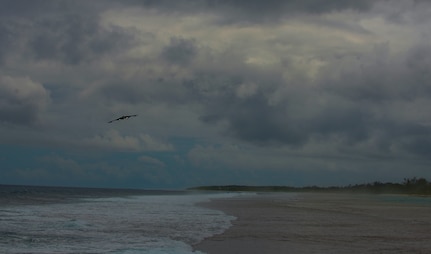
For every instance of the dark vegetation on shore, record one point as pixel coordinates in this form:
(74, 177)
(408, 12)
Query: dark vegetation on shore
(412, 186)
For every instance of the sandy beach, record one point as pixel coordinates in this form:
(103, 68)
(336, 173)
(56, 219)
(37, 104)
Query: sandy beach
(323, 223)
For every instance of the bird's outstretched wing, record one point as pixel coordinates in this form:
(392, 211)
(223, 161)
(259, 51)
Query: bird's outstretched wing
(122, 118)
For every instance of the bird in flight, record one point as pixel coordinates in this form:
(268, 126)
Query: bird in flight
(122, 118)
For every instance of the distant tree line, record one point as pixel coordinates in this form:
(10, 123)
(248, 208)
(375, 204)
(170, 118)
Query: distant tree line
(413, 186)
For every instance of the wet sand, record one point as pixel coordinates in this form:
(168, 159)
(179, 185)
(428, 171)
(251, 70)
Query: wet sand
(323, 223)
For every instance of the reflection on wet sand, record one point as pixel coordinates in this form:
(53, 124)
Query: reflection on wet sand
(324, 223)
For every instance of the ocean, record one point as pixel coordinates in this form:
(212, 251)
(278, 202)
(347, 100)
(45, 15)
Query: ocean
(79, 220)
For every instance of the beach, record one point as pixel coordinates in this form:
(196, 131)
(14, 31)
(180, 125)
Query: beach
(323, 223)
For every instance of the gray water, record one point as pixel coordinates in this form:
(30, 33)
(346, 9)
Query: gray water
(96, 221)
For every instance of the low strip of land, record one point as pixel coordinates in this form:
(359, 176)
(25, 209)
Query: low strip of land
(413, 186)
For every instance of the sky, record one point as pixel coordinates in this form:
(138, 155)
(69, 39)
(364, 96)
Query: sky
(298, 92)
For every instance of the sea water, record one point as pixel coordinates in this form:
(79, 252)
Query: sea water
(146, 223)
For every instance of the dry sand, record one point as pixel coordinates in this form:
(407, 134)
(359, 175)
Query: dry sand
(323, 223)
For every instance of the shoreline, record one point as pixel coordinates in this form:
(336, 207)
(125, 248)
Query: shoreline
(320, 223)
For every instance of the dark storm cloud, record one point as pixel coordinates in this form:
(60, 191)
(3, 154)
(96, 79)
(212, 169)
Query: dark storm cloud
(73, 39)
(64, 31)
(255, 10)
(376, 78)
(352, 116)
(418, 62)
(6, 40)
(250, 117)
(21, 8)
(68, 39)
(273, 10)
(180, 51)
(420, 145)
(33, 9)
(299, 84)
(358, 106)
(21, 100)
(255, 120)
(142, 90)
(129, 93)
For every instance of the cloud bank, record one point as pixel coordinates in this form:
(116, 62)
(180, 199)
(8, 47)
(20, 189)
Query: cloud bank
(300, 85)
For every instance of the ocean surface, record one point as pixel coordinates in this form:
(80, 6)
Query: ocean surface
(78, 220)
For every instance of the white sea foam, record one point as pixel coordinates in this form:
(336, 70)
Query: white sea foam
(141, 224)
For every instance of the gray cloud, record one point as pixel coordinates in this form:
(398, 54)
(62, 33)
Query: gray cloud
(273, 10)
(180, 51)
(254, 11)
(21, 100)
(6, 36)
(74, 39)
(324, 81)
(418, 63)
(357, 107)
(64, 31)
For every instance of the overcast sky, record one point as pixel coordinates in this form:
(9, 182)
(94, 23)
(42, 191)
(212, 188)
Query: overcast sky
(299, 92)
